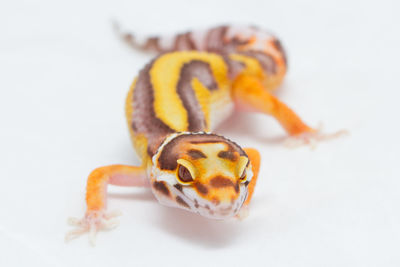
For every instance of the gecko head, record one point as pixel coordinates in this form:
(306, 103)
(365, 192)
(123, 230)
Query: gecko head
(201, 172)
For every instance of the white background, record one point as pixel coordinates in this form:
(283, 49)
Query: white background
(64, 77)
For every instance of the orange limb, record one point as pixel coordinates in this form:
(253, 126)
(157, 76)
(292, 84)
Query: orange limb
(255, 159)
(121, 175)
(250, 95)
(96, 218)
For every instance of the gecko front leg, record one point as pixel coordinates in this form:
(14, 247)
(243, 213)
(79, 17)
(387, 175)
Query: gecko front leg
(255, 158)
(250, 95)
(96, 218)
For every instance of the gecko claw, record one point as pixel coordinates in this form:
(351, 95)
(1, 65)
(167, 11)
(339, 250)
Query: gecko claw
(91, 223)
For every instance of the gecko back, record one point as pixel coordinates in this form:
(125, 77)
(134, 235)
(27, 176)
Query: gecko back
(247, 41)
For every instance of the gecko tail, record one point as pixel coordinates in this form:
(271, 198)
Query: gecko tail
(149, 44)
(216, 39)
(246, 40)
(155, 44)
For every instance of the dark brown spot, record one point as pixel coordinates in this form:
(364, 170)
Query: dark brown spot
(161, 187)
(196, 154)
(202, 189)
(196, 204)
(227, 155)
(207, 207)
(178, 186)
(221, 181)
(182, 202)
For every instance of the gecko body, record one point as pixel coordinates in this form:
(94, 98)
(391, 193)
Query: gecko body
(172, 108)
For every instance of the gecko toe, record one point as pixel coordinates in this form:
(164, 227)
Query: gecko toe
(91, 223)
(312, 139)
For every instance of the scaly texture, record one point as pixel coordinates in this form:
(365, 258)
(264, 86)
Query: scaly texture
(196, 82)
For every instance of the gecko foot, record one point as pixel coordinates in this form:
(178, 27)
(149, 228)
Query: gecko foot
(91, 223)
(312, 138)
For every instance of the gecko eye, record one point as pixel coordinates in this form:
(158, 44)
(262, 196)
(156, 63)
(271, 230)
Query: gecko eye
(243, 176)
(184, 175)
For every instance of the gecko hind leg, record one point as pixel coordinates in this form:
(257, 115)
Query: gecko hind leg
(96, 217)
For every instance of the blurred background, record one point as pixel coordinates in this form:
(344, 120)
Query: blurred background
(64, 77)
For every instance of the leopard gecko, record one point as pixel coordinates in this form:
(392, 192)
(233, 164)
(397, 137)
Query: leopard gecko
(197, 80)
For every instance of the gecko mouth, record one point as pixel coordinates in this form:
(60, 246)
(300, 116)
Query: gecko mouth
(225, 211)
(211, 211)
